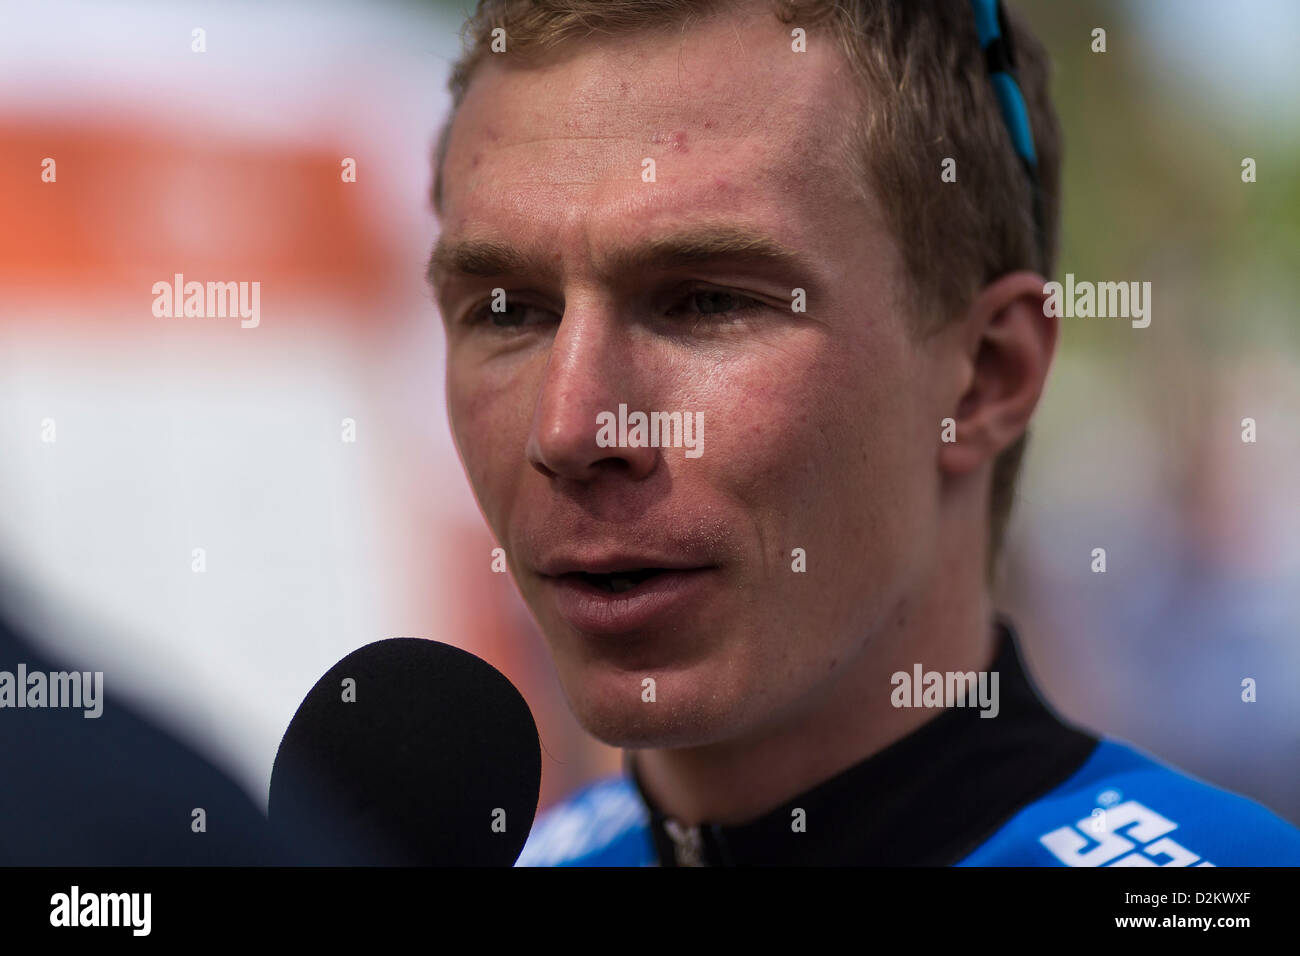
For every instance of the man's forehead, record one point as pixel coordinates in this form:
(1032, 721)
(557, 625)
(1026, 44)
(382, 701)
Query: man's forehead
(725, 99)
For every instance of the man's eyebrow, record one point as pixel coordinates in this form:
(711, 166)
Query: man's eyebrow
(474, 257)
(696, 245)
(684, 247)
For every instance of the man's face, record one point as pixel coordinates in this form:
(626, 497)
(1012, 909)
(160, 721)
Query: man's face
(818, 426)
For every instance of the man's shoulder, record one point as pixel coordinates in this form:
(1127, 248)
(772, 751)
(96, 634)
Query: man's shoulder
(1123, 807)
(603, 824)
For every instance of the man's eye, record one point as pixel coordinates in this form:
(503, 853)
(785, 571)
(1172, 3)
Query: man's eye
(706, 302)
(512, 315)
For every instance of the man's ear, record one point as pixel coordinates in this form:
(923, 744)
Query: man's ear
(1009, 344)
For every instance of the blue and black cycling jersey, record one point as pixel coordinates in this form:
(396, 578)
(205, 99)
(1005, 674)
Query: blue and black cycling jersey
(1024, 789)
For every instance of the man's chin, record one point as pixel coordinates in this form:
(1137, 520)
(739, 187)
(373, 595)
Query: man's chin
(628, 735)
(679, 689)
(635, 722)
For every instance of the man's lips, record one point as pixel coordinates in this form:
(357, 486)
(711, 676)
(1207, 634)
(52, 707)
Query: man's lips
(618, 594)
(610, 563)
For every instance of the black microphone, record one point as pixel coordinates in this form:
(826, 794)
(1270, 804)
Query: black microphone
(427, 753)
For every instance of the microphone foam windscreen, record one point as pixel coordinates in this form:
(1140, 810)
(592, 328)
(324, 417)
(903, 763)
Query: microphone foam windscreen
(423, 753)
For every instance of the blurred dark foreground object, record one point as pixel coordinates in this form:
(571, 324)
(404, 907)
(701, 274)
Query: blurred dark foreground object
(118, 790)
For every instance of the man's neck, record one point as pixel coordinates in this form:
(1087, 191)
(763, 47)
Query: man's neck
(737, 780)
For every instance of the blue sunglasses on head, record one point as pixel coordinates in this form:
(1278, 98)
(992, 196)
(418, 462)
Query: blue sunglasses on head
(1000, 55)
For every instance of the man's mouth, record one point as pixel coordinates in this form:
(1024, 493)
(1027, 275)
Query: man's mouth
(621, 595)
(618, 582)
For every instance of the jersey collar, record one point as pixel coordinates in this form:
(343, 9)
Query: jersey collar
(928, 799)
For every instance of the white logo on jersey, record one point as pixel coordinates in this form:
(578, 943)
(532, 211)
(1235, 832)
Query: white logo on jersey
(1097, 840)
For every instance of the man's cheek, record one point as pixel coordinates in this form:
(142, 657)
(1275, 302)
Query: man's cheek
(493, 482)
(484, 453)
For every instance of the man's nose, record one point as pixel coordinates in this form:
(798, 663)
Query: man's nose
(592, 368)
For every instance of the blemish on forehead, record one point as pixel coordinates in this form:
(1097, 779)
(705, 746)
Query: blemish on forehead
(676, 140)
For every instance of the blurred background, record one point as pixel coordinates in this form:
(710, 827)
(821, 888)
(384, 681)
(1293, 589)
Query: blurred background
(181, 507)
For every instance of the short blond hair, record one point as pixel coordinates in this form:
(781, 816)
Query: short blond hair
(924, 96)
